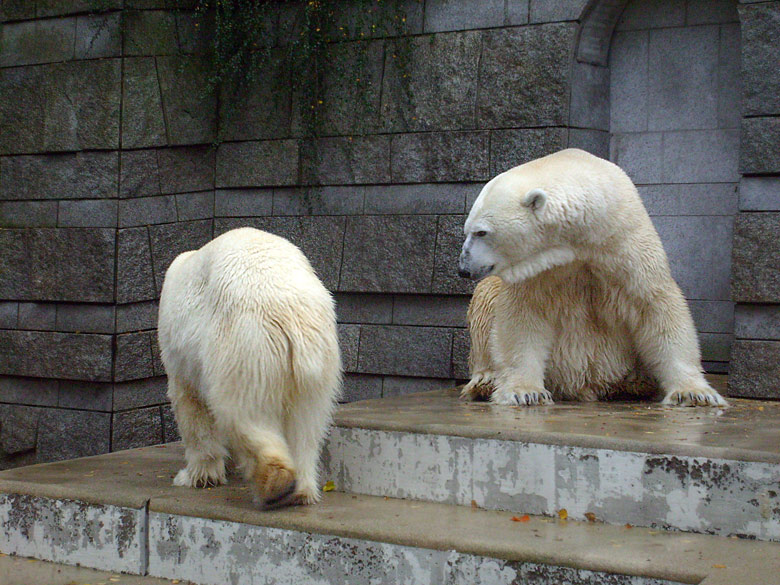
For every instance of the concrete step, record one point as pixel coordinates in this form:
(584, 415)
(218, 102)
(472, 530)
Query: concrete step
(25, 571)
(712, 471)
(119, 512)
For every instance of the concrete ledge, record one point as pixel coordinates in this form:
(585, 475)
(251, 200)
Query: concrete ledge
(211, 535)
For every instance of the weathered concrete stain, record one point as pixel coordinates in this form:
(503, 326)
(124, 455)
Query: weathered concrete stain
(66, 531)
(255, 554)
(698, 494)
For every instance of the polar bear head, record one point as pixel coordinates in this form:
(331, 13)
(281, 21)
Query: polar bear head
(524, 222)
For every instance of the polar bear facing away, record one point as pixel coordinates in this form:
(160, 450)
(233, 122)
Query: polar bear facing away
(248, 339)
(579, 302)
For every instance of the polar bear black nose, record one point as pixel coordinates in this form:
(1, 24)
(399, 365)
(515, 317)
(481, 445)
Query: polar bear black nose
(464, 273)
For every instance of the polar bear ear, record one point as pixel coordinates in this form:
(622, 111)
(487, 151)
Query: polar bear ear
(535, 199)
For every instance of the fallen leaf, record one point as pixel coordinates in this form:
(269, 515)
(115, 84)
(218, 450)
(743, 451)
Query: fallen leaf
(590, 516)
(718, 566)
(524, 518)
(563, 514)
(474, 504)
(329, 486)
(628, 526)
(760, 408)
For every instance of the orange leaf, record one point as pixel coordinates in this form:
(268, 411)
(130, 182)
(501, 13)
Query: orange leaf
(524, 518)
(590, 516)
(718, 566)
(563, 514)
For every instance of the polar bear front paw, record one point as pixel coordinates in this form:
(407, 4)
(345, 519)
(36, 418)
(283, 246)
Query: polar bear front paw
(480, 387)
(522, 397)
(203, 474)
(698, 396)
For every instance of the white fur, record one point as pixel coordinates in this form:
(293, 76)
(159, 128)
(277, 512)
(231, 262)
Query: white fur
(586, 306)
(248, 339)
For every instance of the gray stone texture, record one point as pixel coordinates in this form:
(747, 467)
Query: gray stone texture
(401, 385)
(258, 108)
(628, 82)
(755, 369)
(590, 97)
(42, 354)
(170, 240)
(95, 396)
(79, 175)
(440, 157)
(57, 264)
(361, 387)
(756, 258)
(593, 141)
(760, 26)
(449, 240)
(352, 86)
(79, 106)
(430, 310)
(319, 200)
(61, 7)
(431, 82)
(192, 206)
(16, 10)
(136, 316)
(759, 194)
(37, 316)
(19, 214)
(37, 41)
(9, 315)
(388, 254)
(166, 170)
(140, 393)
(149, 32)
(405, 351)
(257, 164)
(652, 14)
(461, 345)
(135, 273)
(87, 213)
(137, 428)
(19, 430)
(449, 15)
(525, 75)
(30, 391)
(98, 36)
(133, 359)
(510, 148)
(84, 318)
(143, 120)
(757, 322)
(690, 199)
(360, 308)
(349, 342)
(345, 160)
(556, 11)
(243, 202)
(190, 105)
(441, 198)
(759, 153)
(170, 430)
(66, 434)
(147, 210)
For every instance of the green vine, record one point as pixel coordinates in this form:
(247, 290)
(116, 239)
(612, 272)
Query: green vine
(306, 39)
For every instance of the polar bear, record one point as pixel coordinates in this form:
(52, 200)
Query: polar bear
(249, 342)
(579, 302)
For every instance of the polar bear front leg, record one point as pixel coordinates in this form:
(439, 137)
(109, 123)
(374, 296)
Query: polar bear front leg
(667, 343)
(516, 389)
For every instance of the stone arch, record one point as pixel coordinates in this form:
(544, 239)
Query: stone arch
(656, 89)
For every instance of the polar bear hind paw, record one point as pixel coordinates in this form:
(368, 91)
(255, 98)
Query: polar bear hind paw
(694, 397)
(522, 397)
(275, 484)
(480, 387)
(209, 473)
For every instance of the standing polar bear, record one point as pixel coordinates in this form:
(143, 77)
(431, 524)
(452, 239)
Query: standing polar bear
(249, 342)
(579, 302)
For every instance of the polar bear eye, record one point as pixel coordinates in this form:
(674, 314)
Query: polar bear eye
(480, 234)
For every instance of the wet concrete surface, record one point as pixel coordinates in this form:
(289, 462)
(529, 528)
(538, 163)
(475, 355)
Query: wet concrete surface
(747, 430)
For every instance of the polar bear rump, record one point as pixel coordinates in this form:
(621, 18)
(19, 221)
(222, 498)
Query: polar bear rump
(248, 339)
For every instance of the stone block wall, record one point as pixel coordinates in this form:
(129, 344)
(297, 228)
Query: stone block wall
(117, 158)
(755, 284)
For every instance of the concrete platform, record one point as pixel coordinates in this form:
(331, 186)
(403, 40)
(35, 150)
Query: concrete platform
(121, 510)
(713, 471)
